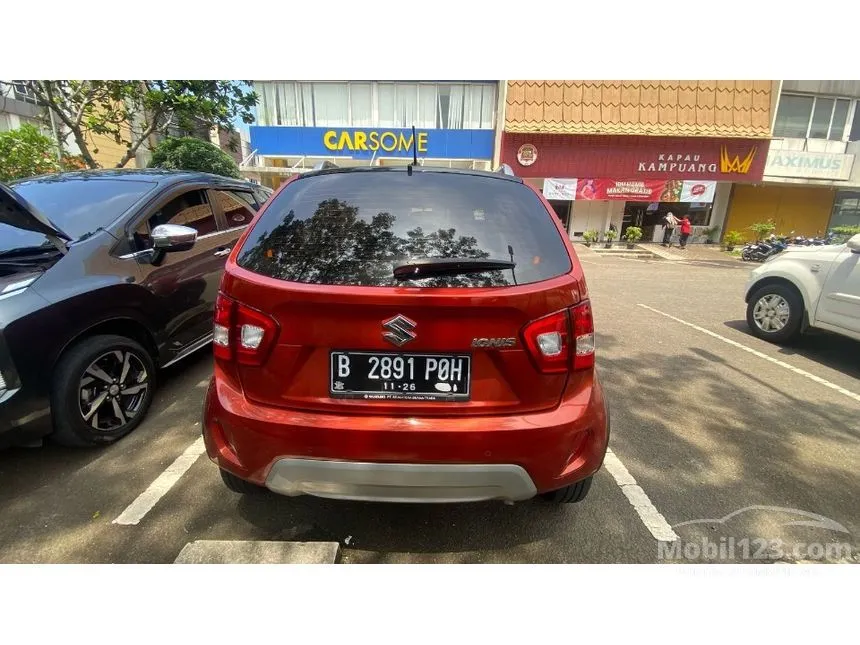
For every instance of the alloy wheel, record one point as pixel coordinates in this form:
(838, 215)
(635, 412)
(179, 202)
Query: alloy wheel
(112, 390)
(771, 313)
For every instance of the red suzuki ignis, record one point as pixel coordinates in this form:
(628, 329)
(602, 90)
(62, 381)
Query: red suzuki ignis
(407, 334)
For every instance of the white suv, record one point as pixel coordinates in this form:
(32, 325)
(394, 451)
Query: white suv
(803, 287)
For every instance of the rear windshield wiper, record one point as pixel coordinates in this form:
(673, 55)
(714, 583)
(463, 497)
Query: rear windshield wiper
(417, 269)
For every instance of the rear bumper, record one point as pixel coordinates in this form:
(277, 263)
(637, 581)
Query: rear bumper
(369, 481)
(387, 458)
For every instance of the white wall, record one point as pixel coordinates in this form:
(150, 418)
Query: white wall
(594, 215)
(722, 195)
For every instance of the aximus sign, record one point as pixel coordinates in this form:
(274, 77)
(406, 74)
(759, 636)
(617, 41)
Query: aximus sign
(365, 143)
(808, 165)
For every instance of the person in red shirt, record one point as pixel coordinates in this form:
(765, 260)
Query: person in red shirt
(686, 229)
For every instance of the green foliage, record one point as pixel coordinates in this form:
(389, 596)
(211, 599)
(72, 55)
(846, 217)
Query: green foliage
(26, 152)
(843, 233)
(763, 229)
(712, 233)
(733, 238)
(633, 234)
(129, 112)
(591, 236)
(610, 235)
(188, 153)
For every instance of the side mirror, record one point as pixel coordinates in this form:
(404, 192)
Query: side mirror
(172, 237)
(854, 243)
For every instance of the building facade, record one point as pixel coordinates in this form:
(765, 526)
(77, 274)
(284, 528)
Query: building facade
(624, 153)
(360, 123)
(811, 181)
(18, 107)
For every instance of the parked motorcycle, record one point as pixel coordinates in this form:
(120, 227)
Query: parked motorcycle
(761, 251)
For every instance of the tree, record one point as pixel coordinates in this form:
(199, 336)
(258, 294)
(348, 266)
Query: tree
(26, 152)
(188, 153)
(336, 245)
(129, 112)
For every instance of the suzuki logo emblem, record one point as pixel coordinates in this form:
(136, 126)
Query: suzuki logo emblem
(400, 330)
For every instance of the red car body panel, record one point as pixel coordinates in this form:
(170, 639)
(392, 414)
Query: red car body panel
(554, 425)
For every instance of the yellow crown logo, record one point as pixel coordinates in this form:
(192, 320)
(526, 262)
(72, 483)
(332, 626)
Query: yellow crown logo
(735, 165)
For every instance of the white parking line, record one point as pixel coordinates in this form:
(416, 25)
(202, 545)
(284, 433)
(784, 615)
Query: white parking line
(733, 343)
(648, 513)
(163, 483)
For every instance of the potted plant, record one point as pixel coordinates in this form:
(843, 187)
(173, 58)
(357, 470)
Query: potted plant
(762, 229)
(633, 234)
(732, 239)
(590, 237)
(609, 236)
(711, 234)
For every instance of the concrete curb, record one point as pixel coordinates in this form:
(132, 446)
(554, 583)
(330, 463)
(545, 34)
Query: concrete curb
(251, 552)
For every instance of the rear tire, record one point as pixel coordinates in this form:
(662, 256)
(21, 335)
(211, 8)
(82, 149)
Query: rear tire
(241, 486)
(92, 379)
(781, 296)
(569, 494)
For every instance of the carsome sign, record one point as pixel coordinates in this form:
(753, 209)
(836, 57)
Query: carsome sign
(388, 141)
(364, 143)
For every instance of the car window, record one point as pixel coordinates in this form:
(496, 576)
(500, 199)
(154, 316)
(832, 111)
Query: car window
(190, 209)
(351, 228)
(238, 207)
(79, 206)
(262, 196)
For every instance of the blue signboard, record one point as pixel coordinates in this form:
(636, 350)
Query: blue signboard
(362, 143)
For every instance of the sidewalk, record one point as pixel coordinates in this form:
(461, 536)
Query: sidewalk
(707, 252)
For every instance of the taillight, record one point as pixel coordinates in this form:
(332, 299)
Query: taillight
(547, 339)
(562, 340)
(583, 335)
(241, 332)
(221, 330)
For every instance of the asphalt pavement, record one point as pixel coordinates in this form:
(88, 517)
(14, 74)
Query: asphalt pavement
(723, 440)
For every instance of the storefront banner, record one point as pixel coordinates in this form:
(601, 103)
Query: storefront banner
(698, 191)
(559, 189)
(644, 190)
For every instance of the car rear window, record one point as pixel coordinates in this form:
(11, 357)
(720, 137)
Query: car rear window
(351, 228)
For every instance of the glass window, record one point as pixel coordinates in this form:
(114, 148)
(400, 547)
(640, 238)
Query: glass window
(386, 96)
(372, 104)
(289, 112)
(427, 106)
(350, 228)
(331, 104)
(792, 116)
(361, 103)
(79, 206)
(407, 105)
(840, 115)
(262, 196)
(854, 135)
(189, 209)
(238, 207)
(821, 114)
(305, 103)
(846, 209)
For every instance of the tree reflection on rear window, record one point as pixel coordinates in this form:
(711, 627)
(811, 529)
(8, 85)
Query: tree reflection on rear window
(351, 228)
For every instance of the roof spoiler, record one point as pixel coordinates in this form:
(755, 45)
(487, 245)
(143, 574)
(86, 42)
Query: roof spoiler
(505, 169)
(325, 165)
